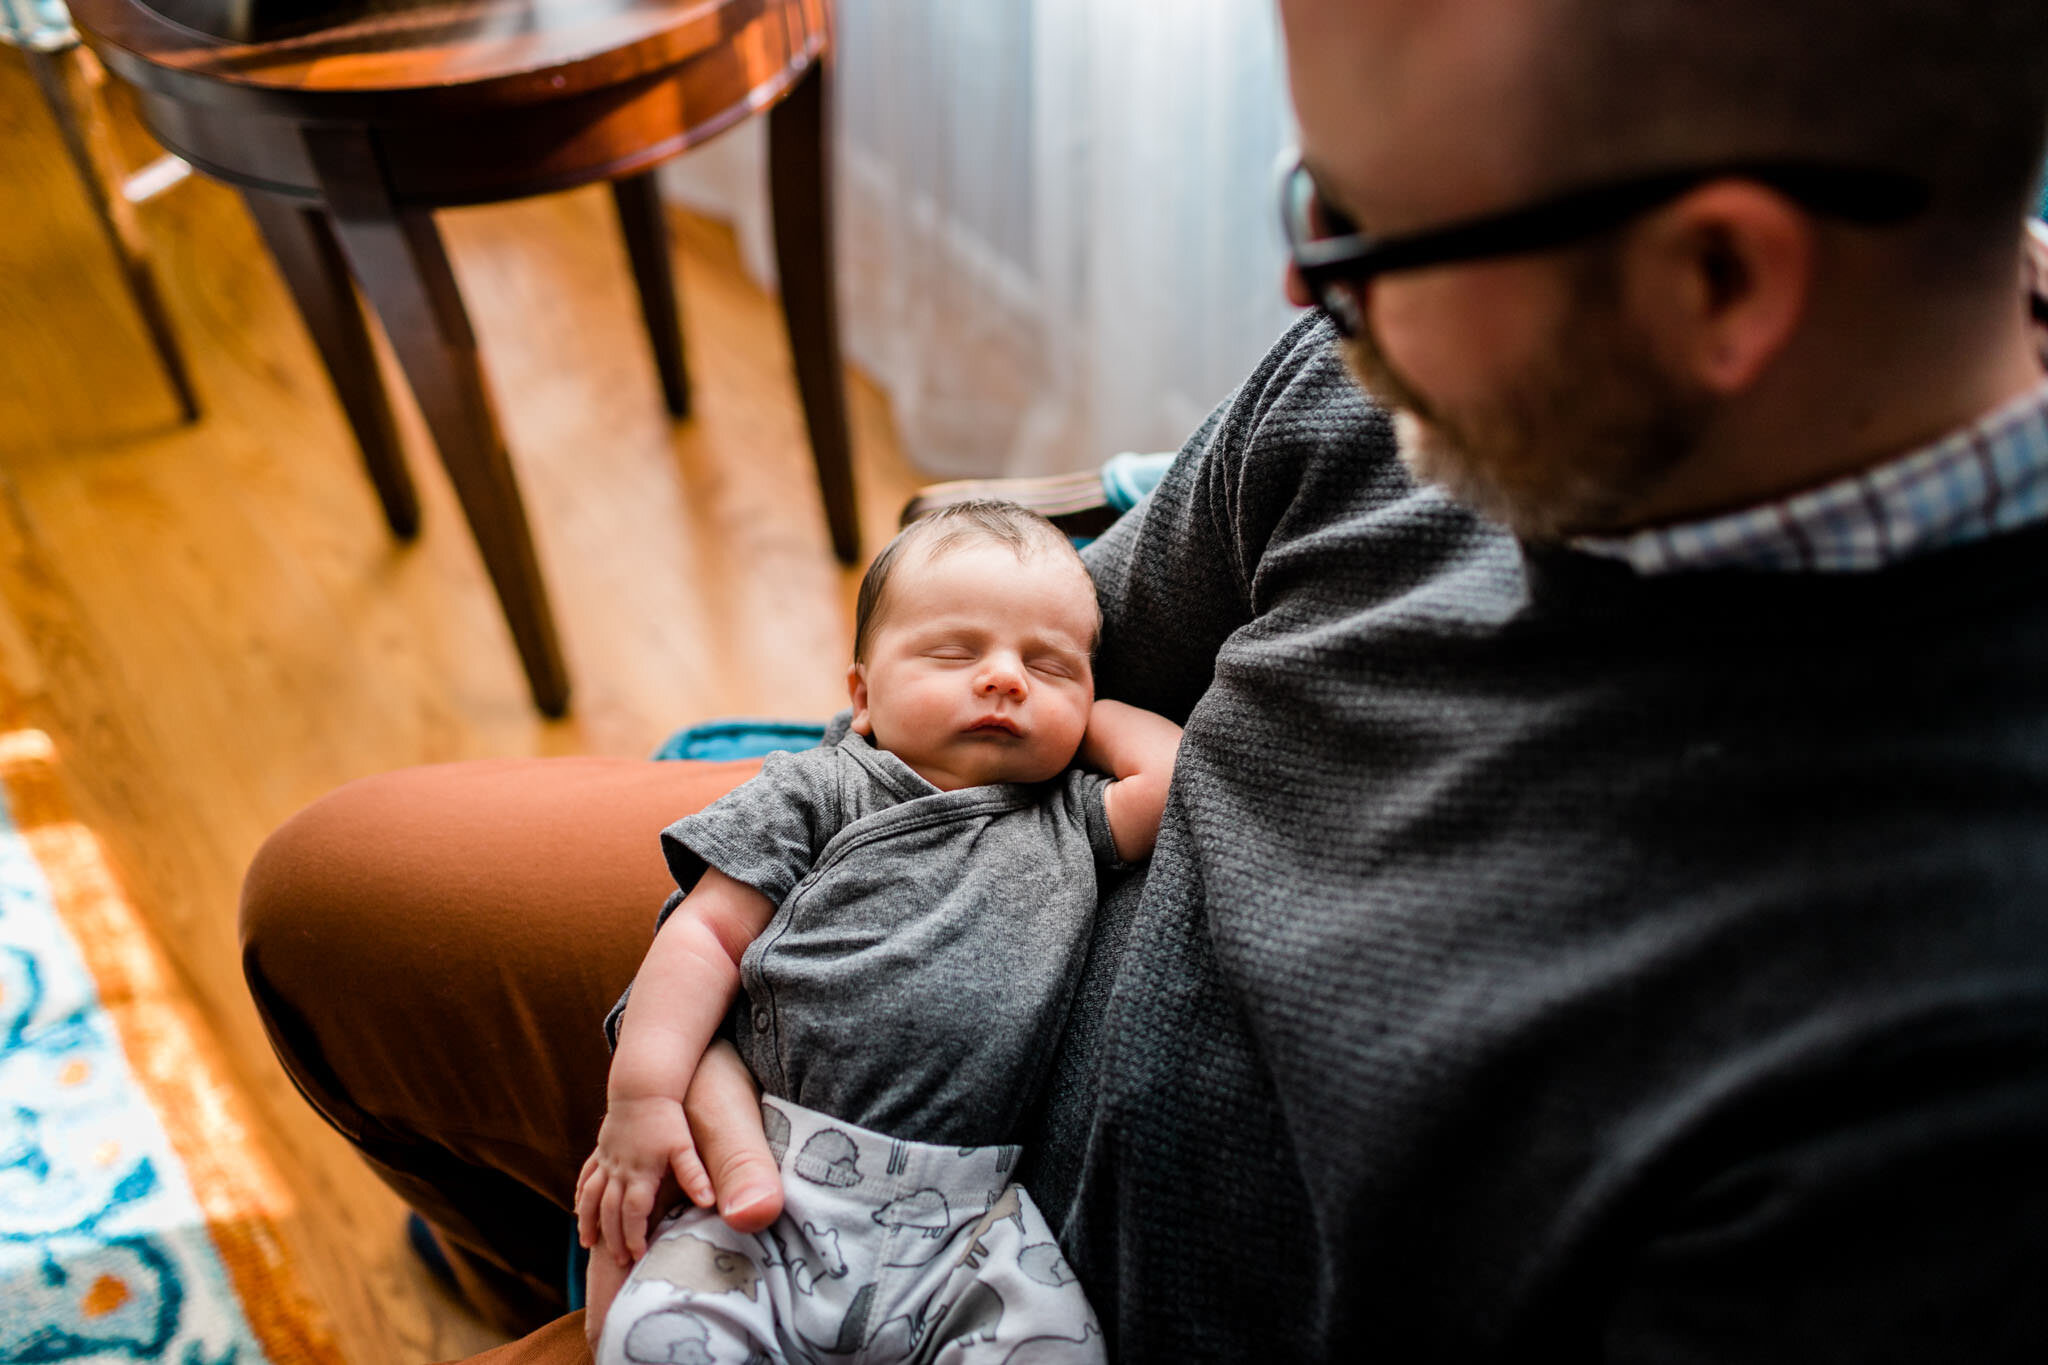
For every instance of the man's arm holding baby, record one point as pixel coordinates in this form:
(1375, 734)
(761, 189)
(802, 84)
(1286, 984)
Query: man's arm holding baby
(1137, 748)
(680, 996)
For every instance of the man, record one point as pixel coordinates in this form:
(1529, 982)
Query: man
(1607, 923)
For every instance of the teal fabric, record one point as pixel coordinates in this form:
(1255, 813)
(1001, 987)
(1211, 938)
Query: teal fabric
(40, 25)
(719, 741)
(1128, 477)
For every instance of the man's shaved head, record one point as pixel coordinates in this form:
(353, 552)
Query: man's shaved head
(1512, 98)
(1952, 91)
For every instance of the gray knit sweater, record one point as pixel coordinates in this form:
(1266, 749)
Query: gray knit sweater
(1537, 957)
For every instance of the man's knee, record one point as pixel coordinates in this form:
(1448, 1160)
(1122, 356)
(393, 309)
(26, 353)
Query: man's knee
(278, 879)
(309, 925)
(352, 889)
(296, 911)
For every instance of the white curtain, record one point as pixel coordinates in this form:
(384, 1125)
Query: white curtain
(1056, 234)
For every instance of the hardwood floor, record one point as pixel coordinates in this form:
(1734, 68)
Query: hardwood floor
(214, 626)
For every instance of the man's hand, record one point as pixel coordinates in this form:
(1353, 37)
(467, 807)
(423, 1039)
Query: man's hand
(600, 1286)
(725, 1115)
(643, 1140)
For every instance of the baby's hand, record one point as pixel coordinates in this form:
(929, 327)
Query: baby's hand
(642, 1141)
(1138, 748)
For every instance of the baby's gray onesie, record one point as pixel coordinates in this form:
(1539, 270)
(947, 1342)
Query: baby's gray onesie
(902, 1003)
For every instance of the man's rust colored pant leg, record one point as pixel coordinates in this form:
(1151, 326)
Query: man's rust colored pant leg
(432, 952)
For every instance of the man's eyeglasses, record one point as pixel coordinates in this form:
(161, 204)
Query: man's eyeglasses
(1337, 261)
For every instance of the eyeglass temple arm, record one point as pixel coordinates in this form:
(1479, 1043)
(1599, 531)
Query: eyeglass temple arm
(1869, 196)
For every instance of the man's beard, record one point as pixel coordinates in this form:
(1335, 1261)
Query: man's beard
(1569, 449)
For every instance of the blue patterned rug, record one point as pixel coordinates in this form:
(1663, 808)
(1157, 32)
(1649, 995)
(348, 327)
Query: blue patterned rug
(116, 1244)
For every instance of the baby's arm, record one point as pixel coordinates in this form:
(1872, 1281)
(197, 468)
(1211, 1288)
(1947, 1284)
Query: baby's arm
(1137, 748)
(679, 998)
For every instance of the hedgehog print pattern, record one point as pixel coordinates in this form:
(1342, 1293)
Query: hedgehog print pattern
(775, 1127)
(924, 1210)
(696, 1266)
(672, 1337)
(828, 1157)
(1042, 1262)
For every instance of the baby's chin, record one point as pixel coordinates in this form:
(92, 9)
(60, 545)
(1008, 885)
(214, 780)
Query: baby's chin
(983, 763)
(1018, 773)
(1013, 766)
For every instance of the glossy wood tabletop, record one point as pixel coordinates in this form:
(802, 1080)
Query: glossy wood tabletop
(479, 100)
(326, 56)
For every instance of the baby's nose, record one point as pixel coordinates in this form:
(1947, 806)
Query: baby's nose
(1001, 678)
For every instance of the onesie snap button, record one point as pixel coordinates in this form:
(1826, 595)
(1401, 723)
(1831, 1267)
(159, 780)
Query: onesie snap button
(761, 1018)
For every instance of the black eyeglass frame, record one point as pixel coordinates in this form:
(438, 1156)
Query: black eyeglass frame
(1336, 265)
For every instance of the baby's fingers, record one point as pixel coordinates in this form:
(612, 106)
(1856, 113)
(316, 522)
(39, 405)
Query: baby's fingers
(589, 1189)
(614, 1227)
(590, 1210)
(633, 1210)
(589, 1165)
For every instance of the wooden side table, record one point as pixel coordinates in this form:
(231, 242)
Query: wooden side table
(345, 123)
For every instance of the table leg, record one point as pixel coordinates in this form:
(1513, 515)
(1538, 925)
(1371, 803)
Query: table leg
(301, 241)
(799, 177)
(641, 219)
(71, 82)
(398, 258)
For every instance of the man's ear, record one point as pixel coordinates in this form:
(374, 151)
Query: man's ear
(857, 689)
(1720, 282)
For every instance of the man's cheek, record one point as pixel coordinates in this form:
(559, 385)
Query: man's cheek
(1457, 335)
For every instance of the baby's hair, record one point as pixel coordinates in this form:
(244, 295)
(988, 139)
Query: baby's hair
(1009, 524)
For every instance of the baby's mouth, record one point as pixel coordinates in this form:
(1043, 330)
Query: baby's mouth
(995, 724)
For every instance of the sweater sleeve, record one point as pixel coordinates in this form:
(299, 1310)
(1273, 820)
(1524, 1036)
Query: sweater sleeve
(1184, 569)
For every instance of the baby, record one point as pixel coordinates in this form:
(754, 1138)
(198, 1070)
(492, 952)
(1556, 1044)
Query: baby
(902, 916)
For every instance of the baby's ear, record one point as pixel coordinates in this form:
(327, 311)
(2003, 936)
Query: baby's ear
(857, 689)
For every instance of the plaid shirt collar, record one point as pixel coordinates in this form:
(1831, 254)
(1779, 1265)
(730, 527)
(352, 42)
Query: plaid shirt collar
(1988, 478)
